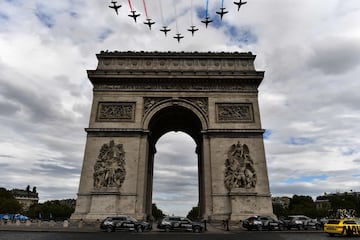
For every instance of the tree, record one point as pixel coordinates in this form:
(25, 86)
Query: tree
(193, 213)
(50, 210)
(8, 204)
(345, 201)
(156, 212)
(279, 210)
(302, 205)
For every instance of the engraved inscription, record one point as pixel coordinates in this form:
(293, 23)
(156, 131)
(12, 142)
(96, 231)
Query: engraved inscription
(234, 112)
(239, 168)
(109, 169)
(116, 111)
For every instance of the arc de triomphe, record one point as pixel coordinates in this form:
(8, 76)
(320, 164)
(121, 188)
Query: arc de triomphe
(140, 96)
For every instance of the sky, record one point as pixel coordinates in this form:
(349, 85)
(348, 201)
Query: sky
(309, 98)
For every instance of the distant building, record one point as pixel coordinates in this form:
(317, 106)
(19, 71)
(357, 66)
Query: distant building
(282, 201)
(323, 204)
(26, 197)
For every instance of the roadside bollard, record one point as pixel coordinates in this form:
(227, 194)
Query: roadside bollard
(28, 223)
(66, 224)
(81, 224)
(51, 223)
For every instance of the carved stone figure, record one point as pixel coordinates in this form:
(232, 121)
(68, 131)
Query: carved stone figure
(109, 169)
(239, 168)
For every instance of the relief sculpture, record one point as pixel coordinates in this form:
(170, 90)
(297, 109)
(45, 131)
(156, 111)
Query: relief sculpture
(116, 111)
(239, 168)
(109, 169)
(235, 112)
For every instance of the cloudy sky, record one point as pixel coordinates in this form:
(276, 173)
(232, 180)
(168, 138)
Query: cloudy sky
(309, 99)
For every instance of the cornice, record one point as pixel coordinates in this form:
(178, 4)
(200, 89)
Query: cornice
(172, 61)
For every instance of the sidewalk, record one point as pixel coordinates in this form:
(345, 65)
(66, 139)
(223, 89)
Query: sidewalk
(51, 226)
(220, 228)
(78, 226)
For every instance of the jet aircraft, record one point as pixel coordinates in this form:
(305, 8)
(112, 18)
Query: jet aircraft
(115, 7)
(178, 37)
(206, 21)
(149, 22)
(134, 15)
(165, 29)
(193, 30)
(222, 12)
(239, 4)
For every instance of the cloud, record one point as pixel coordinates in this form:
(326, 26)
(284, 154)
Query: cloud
(175, 173)
(336, 55)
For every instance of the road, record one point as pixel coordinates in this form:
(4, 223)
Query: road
(245, 235)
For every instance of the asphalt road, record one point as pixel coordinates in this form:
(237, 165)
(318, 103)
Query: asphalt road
(253, 235)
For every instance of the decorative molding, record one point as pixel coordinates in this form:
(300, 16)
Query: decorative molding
(180, 85)
(234, 112)
(109, 169)
(201, 102)
(116, 111)
(150, 102)
(169, 61)
(239, 169)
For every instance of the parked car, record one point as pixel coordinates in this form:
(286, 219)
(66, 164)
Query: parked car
(21, 218)
(343, 227)
(262, 222)
(301, 222)
(179, 223)
(111, 224)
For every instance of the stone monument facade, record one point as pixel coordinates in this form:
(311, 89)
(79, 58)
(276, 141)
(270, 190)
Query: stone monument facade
(139, 96)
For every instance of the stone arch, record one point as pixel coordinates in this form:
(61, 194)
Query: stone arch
(175, 103)
(139, 96)
(174, 115)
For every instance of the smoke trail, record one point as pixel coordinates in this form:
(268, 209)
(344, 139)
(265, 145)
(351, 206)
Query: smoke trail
(162, 13)
(176, 17)
(207, 8)
(146, 12)
(192, 12)
(131, 8)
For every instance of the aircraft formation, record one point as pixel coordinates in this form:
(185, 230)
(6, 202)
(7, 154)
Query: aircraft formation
(165, 29)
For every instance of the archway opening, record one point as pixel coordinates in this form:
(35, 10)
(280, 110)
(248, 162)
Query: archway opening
(175, 180)
(173, 159)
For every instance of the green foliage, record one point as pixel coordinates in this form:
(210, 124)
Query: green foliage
(302, 205)
(194, 213)
(8, 204)
(156, 212)
(279, 210)
(50, 210)
(346, 201)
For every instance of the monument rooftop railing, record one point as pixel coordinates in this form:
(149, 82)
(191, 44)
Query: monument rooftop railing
(169, 61)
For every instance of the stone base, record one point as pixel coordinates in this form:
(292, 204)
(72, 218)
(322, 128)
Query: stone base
(245, 204)
(98, 206)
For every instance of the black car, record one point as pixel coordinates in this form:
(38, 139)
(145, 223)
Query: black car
(180, 224)
(301, 222)
(111, 224)
(262, 222)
